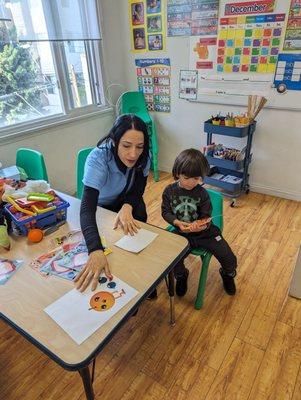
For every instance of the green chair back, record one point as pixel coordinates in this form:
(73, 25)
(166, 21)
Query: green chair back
(134, 103)
(32, 161)
(217, 208)
(80, 166)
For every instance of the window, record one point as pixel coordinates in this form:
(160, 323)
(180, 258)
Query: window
(50, 62)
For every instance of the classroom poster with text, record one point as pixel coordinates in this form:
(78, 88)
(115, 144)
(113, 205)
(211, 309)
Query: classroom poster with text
(153, 76)
(292, 40)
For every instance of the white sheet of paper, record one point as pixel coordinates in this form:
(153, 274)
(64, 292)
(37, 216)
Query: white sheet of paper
(137, 242)
(75, 312)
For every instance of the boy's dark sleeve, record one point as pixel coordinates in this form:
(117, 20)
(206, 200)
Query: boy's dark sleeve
(166, 209)
(205, 209)
(136, 192)
(88, 219)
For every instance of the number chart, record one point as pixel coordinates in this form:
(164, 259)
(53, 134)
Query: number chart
(249, 44)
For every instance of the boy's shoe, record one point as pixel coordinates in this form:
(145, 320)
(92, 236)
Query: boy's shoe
(153, 295)
(181, 285)
(228, 282)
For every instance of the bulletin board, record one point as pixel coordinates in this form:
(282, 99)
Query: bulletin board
(243, 58)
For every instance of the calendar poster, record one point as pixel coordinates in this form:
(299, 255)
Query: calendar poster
(249, 44)
(153, 77)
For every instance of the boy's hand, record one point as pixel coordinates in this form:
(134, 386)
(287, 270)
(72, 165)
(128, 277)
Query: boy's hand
(183, 226)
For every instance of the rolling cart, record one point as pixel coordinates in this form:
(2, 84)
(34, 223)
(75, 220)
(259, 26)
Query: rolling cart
(222, 168)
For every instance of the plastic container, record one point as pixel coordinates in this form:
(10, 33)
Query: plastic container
(21, 225)
(227, 186)
(227, 130)
(221, 162)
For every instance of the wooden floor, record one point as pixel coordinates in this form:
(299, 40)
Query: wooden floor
(246, 347)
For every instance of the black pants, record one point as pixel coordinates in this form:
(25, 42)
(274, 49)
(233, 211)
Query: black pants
(213, 241)
(139, 211)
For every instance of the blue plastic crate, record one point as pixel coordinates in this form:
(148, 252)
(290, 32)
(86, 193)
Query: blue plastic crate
(221, 162)
(233, 188)
(40, 221)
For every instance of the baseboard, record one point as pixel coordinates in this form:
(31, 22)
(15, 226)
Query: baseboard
(275, 192)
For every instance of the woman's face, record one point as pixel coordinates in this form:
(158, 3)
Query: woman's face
(130, 147)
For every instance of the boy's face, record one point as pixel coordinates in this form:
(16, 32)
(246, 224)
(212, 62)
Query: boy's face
(189, 183)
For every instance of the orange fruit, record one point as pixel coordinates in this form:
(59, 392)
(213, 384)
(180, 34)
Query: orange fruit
(35, 235)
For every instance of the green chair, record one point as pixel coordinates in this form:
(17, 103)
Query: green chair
(217, 218)
(80, 166)
(32, 161)
(134, 103)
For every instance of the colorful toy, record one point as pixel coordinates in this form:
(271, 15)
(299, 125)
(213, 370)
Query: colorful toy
(35, 235)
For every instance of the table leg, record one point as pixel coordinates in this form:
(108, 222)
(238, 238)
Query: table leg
(171, 292)
(87, 381)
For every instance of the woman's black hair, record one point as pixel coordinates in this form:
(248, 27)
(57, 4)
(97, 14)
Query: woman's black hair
(191, 163)
(122, 124)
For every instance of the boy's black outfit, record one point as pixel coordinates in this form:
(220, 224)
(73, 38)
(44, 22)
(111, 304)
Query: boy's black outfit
(188, 206)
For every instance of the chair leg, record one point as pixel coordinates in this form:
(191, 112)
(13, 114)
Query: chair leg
(154, 145)
(202, 282)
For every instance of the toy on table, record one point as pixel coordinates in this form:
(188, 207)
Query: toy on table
(40, 213)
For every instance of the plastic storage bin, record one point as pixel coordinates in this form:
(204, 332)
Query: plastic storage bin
(221, 162)
(227, 186)
(227, 130)
(22, 223)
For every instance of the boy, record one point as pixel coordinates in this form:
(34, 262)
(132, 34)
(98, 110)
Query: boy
(186, 205)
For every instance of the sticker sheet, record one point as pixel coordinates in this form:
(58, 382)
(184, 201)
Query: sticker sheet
(153, 77)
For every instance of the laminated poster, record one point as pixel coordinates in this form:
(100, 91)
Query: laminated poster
(192, 17)
(292, 40)
(147, 25)
(153, 77)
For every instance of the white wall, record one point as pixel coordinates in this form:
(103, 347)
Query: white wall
(276, 162)
(60, 145)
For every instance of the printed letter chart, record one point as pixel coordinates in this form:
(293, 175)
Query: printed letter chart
(249, 43)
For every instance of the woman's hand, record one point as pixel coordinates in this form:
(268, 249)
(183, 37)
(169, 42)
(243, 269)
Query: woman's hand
(96, 263)
(126, 221)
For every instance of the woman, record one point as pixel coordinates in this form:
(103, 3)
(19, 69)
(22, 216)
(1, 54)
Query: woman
(115, 178)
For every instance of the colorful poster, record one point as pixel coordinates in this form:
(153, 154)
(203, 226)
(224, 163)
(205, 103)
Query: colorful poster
(147, 25)
(192, 17)
(249, 44)
(250, 7)
(188, 86)
(153, 77)
(293, 30)
(288, 72)
(202, 53)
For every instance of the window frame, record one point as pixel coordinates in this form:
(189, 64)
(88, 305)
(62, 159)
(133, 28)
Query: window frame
(95, 65)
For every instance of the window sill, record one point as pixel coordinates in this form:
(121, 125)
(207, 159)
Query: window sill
(13, 133)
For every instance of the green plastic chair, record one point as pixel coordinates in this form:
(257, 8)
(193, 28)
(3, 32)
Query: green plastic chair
(32, 161)
(134, 103)
(217, 218)
(80, 166)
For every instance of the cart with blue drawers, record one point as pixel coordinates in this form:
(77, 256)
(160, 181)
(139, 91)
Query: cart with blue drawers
(222, 168)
